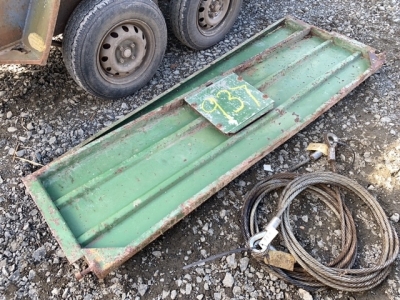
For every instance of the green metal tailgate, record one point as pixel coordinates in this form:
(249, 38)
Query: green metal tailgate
(109, 198)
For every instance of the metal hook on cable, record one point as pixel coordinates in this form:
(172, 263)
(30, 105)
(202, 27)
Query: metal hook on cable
(259, 242)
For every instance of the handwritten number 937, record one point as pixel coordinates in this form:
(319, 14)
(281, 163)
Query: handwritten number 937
(240, 103)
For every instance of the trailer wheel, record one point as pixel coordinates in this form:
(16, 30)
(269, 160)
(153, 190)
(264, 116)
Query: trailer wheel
(200, 24)
(112, 48)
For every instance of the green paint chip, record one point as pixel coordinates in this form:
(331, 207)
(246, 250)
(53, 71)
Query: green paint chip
(231, 103)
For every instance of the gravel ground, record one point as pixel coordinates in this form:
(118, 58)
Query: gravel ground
(43, 114)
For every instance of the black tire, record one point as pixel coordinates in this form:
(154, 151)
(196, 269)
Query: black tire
(112, 48)
(200, 24)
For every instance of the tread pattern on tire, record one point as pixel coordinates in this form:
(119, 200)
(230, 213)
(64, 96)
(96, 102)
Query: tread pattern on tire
(78, 22)
(179, 20)
(75, 24)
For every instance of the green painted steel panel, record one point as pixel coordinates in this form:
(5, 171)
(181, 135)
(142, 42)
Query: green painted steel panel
(109, 197)
(230, 104)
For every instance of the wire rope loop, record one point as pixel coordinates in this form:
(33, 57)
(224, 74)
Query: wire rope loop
(309, 272)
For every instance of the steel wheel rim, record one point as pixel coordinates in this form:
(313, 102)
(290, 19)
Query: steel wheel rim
(211, 13)
(124, 51)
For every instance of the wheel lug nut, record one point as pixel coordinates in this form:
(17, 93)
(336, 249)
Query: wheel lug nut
(121, 60)
(133, 45)
(133, 57)
(121, 48)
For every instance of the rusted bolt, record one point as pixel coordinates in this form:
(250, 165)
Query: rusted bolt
(80, 275)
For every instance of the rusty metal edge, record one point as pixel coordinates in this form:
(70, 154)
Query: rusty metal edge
(200, 198)
(49, 38)
(376, 60)
(54, 219)
(46, 205)
(95, 138)
(45, 54)
(109, 128)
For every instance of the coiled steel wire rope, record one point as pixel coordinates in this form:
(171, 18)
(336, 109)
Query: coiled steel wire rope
(309, 273)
